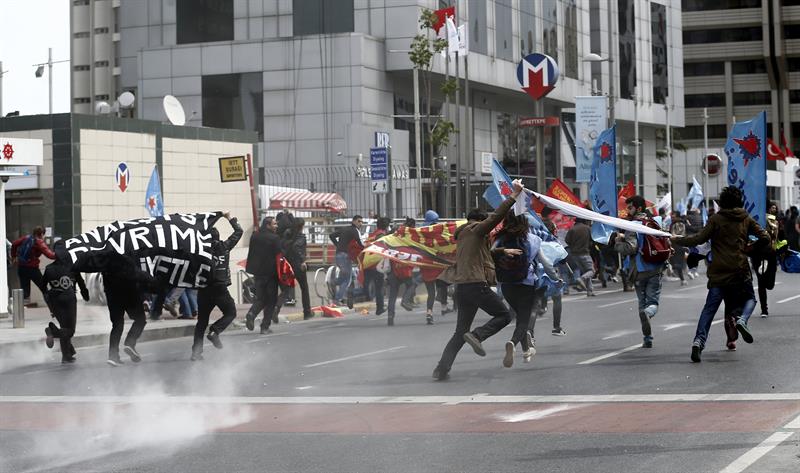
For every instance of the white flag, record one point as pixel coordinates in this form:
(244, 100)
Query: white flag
(452, 36)
(463, 44)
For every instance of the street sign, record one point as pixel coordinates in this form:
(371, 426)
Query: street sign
(714, 165)
(539, 121)
(537, 74)
(232, 169)
(379, 170)
(21, 152)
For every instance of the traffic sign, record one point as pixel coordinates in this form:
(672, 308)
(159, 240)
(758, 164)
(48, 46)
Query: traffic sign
(379, 170)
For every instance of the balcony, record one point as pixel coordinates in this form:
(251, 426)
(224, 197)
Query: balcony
(720, 51)
(739, 17)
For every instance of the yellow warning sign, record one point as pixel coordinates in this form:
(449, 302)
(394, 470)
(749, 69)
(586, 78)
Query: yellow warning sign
(232, 169)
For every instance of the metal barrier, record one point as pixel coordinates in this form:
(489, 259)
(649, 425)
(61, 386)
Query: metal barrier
(18, 308)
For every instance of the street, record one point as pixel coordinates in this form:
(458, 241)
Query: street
(352, 394)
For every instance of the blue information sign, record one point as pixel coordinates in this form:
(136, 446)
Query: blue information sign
(379, 170)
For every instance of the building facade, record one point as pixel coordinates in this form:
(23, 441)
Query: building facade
(318, 79)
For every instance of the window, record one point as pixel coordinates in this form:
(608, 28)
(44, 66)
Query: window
(658, 29)
(793, 64)
(201, 21)
(101, 64)
(404, 106)
(756, 66)
(81, 100)
(503, 37)
(722, 36)
(102, 97)
(550, 28)
(794, 96)
(704, 100)
(102, 30)
(696, 132)
(570, 39)
(322, 16)
(691, 69)
(791, 31)
(79, 3)
(752, 98)
(82, 34)
(477, 26)
(234, 101)
(700, 5)
(84, 67)
(527, 28)
(627, 48)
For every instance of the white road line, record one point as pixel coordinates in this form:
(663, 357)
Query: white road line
(752, 455)
(788, 299)
(609, 355)
(674, 326)
(473, 399)
(534, 414)
(621, 333)
(267, 337)
(795, 424)
(322, 363)
(626, 301)
(692, 288)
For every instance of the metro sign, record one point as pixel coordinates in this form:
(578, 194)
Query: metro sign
(537, 74)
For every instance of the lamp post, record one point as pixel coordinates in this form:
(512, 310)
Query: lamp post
(705, 154)
(636, 175)
(1, 87)
(669, 154)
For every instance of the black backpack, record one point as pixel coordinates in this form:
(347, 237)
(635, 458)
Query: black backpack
(512, 269)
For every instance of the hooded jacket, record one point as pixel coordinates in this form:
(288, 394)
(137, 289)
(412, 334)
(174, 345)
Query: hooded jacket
(264, 247)
(729, 231)
(221, 256)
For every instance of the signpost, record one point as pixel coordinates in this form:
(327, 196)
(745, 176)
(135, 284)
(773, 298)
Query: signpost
(379, 170)
(232, 169)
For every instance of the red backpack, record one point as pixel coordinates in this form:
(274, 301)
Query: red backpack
(285, 271)
(654, 249)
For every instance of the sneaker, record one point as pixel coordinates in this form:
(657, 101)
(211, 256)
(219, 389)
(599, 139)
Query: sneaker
(407, 306)
(508, 360)
(696, 350)
(49, 341)
(131, 352)
(264, 331)
(651, 311)
(764, 315)
(744, 331)
(197, 356)
(213, 337)
(67, 360)
(250, 322)
(591, 294)
(684, 283)
(429, 319)
(473, 341)
(380, 312)
(440, 375)
(558, 332)
(647, 342)
(173, 310)
(114, 361)
(446, 310)
(527, 355)
(731, 346)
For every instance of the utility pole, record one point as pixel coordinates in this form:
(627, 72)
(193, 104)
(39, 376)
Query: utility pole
(669, 154)
(418, 141)
(636, 173)
(50, 78)
(1, 88)
(705, 155)
(457, 186)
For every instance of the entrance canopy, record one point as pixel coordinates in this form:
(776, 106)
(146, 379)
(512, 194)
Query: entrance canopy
(312, 201)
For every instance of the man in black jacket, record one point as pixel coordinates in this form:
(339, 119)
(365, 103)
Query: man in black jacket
(264, 248)
(347, 241)
(216, 294)
(293, 245)
(125, 285)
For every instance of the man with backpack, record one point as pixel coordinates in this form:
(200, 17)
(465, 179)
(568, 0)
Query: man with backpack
(649, 258)
(25, 252)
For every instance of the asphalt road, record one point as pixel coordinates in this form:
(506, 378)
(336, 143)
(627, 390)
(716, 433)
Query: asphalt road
(354, 395)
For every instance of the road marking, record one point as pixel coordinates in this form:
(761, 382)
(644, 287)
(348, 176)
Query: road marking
(690, 288)
(322, 363)
(267, 337)
(535, 414)
(476, 399)
(609, 355)
(621, 333)
(626, 301)
(795, 424)
(788, 299)
(751, 456)
(674, 326)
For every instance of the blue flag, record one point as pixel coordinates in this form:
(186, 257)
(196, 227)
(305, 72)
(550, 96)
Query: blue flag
(501, 188)
(603, 182)
(695, 195)
(747, 164)
(152, 201)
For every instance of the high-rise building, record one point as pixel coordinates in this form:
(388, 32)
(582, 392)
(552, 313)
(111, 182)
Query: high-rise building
(94, 43)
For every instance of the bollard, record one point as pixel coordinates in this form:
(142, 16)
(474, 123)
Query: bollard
(18, 308)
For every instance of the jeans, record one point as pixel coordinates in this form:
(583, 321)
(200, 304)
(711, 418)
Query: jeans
(585, 265)
(376, 277)
(557, 311)
(521, 299)
(736, 298)
(345, 273)
(188, 302)
(471, 297)
(648, 291)
(394, 290)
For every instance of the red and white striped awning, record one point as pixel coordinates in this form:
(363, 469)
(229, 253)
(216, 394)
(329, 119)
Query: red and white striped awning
(314, 201)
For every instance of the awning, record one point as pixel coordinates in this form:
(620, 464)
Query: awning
(314, 201)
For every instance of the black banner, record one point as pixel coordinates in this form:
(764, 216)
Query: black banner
(175, 249)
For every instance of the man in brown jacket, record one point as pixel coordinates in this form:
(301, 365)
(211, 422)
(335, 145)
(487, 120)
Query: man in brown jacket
(729, 277)
(473, 275)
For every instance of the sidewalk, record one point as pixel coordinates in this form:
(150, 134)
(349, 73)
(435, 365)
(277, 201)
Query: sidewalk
(94, 326)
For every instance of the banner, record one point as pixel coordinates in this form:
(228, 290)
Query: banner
(590, 120)
(175, 249)
(560, 191)
(153, 201)
(433, 246)
(603, 182)
(747, 165)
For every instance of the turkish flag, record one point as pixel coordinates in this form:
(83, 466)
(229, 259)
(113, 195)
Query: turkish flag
(441, 17)
(774, 152)
(786, 151)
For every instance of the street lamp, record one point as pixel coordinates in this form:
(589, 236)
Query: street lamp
(594, 58)
(40, 72)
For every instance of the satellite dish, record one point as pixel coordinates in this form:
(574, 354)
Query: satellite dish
(103, 108)
(174, 110)
(126, 100)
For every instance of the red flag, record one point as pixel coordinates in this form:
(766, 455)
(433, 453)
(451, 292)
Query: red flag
(624, 193)
(786, 151)
(774, 152)
(441, 17)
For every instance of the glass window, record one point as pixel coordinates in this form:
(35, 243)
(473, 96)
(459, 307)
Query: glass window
(527, 28)
(696, 132)
(691, 69)
(794, 96)
(704, 100)
(700, 5)
(234, 101)
(627, 48)
(793, 64)
(658, 29)
(503, 29)
(322, 16)
(722, 36)
(752, 98)
(756, 66)
(791, 31)
(550, 28)
(405, 106)
(477, 27)
(570, 39)
(201, 21)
